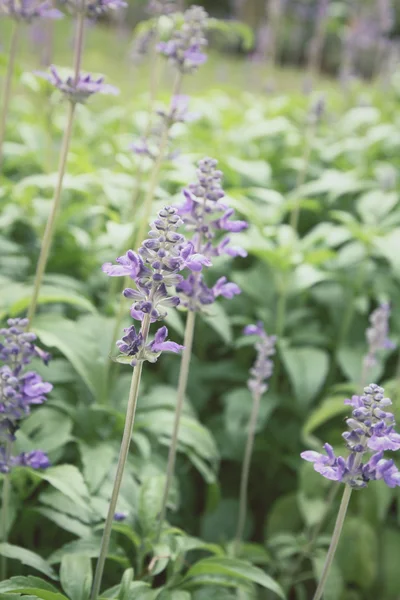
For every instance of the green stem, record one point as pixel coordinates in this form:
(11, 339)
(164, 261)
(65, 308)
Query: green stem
(123, 455)
(244, 482)
(334, 542)
(8, 84)
(308, 140)
(154, 176)
(50, 225)
(280, 327)
(182, 384)
(4, 512)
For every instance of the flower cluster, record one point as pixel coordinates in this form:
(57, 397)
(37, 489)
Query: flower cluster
(177, 113)
(377, 334)
(19, 390)
(206, 216)
(263, 366)
(93, 8)
(156, 8)
(371, 428)
(154, 269)
(78, 91)
(29, 10)
(184, 49)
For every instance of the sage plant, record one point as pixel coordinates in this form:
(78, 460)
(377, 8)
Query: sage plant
(377, 337)
(185, 52)
(76, 89)
(21, 12)
(206, 216)
(257, 384)
(371, 428)
(19, 391)
(155, 270)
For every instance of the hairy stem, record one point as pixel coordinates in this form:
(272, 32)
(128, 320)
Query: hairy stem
(50, 225)
(182, 384)
(123, 456)
(4, 512)
(334, 542)
(244, 482)
(8, 85)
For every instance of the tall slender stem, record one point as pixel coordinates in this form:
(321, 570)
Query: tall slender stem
(154, 176)
(123, 455)
(8, 85)
(309, 136)
(334, 542)
(49, 231)
(50, 225)
(244, 482)
(182, 384)
(4, 512)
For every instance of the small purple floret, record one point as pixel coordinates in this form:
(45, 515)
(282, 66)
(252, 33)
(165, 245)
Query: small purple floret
(262, 369)
(77, 91)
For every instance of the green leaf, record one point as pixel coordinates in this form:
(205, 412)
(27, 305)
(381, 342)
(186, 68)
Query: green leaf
(78, 345)
(65, 521)
(20, 582)
(76, 576)
(236, 570)
(27, 557)
(150, 501)
(329, 409)
(68, 480)
(357, 553)
(96, 459)
(389, 554)
(90, 547)
(334, 586)
(307, 368)
(219, 321)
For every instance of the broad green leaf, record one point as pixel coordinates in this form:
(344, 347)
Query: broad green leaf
(79, 346)
(68, 480)
(307, 368)
(96, 460)
(218, 319)
(20, 582)
(235, 569)
(150, 500)
(329, 409)
(334, 586)
(357, 553)
(65, 521)
(27, 557)
(389, 554)
(90, 547)
(76, 576)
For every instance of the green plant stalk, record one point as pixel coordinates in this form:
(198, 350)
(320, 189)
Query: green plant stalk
(123, 456)
(154, 176)
(244, 481)
(50, 225)
(309, 137)
(280, 326)
(182, 384)
(334, 542)
(4, 512)
(8, 85)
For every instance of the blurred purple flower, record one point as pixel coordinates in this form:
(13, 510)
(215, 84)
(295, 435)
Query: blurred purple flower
(377, 335)
(80, 91)
(262, 369)
(29, 10)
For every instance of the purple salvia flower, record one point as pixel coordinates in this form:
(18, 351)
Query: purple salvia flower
(29, 10)
(93, 8)
(19, 390)
(377, 335)
(206, 216)
(371, 428)
(154, 269)
(185, 48)
(80, 91)
(263, 366)
(120, 516)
